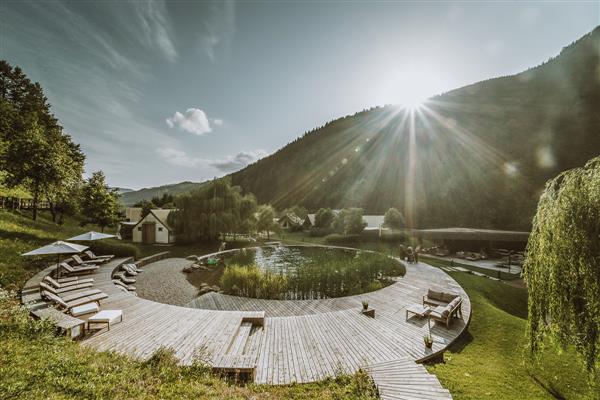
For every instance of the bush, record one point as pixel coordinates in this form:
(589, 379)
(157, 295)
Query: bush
(113, 247)
(336, 238)
(367, 237)
(319, 232)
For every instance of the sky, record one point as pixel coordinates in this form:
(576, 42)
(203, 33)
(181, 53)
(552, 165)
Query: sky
(161, 92)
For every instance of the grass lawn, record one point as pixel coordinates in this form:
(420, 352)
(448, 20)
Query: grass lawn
(491, 361)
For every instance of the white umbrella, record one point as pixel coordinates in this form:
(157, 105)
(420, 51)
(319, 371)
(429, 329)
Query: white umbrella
(92, 235)
(57, 248)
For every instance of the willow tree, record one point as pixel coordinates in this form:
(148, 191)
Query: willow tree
(562, 267)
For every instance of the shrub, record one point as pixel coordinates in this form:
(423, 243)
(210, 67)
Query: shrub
(113, 247)
(319, 232)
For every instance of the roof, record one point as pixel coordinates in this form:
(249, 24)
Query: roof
(373, 221)
(311, 218)
(293, 218)
(474, 234)
(160, 215)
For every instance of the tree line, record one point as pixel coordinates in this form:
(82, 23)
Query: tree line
(37, 155)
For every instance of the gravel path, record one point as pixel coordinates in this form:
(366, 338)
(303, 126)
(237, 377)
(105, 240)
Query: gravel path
(165, 282)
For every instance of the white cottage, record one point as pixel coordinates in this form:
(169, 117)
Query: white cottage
(154, 228)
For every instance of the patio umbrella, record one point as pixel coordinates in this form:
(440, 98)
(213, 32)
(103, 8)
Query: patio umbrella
(91, 235)
(57, 248)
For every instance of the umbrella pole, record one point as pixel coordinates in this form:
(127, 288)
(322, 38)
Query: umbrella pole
(57, 267)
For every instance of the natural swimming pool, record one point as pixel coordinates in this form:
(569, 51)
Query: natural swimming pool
(298, 272)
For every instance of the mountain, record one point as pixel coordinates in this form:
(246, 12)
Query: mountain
(132, 197)
(121, 190)
(475, 156)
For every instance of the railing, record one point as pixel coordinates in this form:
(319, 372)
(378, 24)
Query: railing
(16, 203)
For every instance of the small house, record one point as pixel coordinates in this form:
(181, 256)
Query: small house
(154, 228)
(290, 221)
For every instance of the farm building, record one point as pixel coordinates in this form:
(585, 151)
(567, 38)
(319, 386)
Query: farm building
(290, 221)
(475, 239)
(154, 228)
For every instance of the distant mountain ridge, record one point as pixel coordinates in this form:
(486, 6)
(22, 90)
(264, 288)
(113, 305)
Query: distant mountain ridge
(475, 156)
(132, 197)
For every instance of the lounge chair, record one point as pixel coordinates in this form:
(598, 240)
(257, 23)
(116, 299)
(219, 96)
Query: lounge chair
(76, 279)
(68, 305)
(65, 289)
(123, 285)
(447, 306)
(128, 270)
(87, 269)
(92, 256)
(133, 267)
(123, 278)
(438, 298)
(79, 261)
(76, 282)
(71, 295)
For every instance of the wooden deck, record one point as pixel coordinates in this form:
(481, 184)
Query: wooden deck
(280, 342)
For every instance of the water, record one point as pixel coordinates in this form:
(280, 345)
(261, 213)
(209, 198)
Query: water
(284, 259)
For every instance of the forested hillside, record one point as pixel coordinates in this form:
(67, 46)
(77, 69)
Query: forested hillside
(476, 156)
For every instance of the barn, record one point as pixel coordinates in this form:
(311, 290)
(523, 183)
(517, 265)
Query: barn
(154, 228)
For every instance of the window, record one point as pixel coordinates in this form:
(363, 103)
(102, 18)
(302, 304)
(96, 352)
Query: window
(140, 229)
(160, 228)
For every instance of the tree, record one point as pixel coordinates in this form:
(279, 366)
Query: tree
(349, 221)
(393, 219)
(324, 218)
(210, 211)
(247, 218)
(34, 151)
(99, 203)
(299, 211)
(562, 267)
(146, 207)
(265, 221)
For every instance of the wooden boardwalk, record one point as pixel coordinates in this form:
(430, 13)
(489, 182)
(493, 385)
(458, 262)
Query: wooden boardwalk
(402, 379)
(280, 342)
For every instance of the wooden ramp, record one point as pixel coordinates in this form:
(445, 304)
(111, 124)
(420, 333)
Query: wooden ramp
(403, 379)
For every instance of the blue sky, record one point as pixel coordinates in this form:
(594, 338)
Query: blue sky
(160, 92)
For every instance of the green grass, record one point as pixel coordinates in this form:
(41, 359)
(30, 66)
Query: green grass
(490, 361)
(505, 276)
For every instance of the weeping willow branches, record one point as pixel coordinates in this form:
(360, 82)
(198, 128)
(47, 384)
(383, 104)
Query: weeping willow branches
(562, 268)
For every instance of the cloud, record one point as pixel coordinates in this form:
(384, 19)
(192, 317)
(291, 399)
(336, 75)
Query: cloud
(217, 121)
(238, 161)
(156, 28)
(193, 120)
(219, 29)
(178, 157)
(224, 165)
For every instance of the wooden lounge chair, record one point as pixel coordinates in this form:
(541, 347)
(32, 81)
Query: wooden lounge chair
(76, 279)
(79, 261)
(68, 305)
(123, 278)
(445, 314)
(133, 267)
(91, 256)
(123, 285)
(87, 269)
(438, 298)
(72, 295)
(129, 270)
(65, 289)
(76, 282)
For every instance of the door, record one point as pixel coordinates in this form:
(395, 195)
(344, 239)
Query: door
(149, 233)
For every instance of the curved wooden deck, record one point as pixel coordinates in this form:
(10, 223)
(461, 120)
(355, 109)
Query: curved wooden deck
(280, 342)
